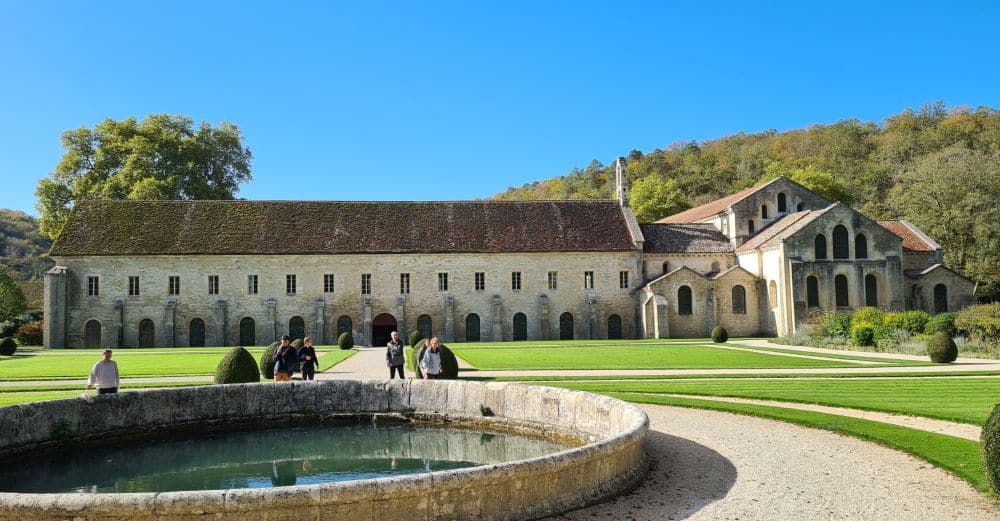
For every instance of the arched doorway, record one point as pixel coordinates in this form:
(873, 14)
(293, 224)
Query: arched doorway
(147, 333)
(472, 328)
(92, 334)
(871, 291)
(614, 327)
(296, 328)
(196, 333)
(424, 325)
(382, 327)
(940, 298)
(566, 326)
(344, 325)
(520, 330)
(248, 332)
(840, 291)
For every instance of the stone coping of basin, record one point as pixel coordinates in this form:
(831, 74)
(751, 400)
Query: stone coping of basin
(611, 460)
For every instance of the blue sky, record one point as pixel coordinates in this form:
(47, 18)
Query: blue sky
(459, 100)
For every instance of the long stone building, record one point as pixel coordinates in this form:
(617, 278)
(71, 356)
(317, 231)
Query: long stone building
(194, 273)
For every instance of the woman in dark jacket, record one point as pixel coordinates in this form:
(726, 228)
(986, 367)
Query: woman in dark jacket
(307, 359)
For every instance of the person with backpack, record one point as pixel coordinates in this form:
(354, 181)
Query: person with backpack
(284, 361)
(395, 356)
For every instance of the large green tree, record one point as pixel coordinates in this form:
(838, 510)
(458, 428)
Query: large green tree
(161, 157)
(12, 302)
(652, 198)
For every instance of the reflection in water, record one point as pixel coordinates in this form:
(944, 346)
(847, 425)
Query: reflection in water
(274, 457)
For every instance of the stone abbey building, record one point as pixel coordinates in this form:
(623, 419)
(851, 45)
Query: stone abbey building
(213, 273)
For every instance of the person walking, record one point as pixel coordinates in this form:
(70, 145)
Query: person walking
(395, 356)
(430, 364)
(307, 359)
(284, 361)
(104, 375)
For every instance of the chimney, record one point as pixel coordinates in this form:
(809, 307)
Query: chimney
(621, 182)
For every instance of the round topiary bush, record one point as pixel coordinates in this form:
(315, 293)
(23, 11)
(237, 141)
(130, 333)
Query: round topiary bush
(267, 361)
(297, 343)
(346, 340)
(7, 346)
(990, 441)
(863, 333)
(719, 335)
(415, 337)
(941, 348)
(237, 367)
(449, 363)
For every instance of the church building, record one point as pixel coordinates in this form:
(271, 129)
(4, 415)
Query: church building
(215, 273)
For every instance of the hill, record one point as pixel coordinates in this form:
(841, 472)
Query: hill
(21, 246)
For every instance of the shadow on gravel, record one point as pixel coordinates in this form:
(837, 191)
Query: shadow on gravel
(683, 478)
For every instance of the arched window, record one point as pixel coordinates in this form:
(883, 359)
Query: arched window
(751, 228)
(739, 300)
(861, 246)
(472, 327)
(820, 247)
(666, 267)
(799, 207)
(296, 328)
(812, 292)
(566, 326)
(196, 333)
(248, 332)
(763, 211)
(344, 325)
(841, 245)
(840, 291)
(614, 327)
(871, 290)
(147, 333)
(940, 298)
(92, 334)
(684, 300)
(714, 268)
(520, 331)
(424, 325)
(782, 202)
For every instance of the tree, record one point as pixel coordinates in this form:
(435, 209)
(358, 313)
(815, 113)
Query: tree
(12, 302)
(823, 183)
(22, 248)
(653, 199)
(160, 157)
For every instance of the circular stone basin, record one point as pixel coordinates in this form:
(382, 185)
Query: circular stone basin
(463, 450)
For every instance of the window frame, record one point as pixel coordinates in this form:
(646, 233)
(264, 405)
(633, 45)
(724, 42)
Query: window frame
(588, 280)
(253, 285)
(173, 285)
(93, 286)
(442, 281)
(515, 281)
(366, 283)
(291, 284)
(213, 284)
(133, 289)
(404, 283)
(623, 279)
(479, 281)
(553, 280)
(329, 283)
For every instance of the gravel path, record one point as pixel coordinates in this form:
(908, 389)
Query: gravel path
(709, 465)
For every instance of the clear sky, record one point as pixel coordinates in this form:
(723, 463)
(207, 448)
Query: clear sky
(459, 100)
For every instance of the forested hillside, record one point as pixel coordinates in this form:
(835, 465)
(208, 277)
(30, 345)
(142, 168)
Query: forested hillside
(21, 246)
(938, 167)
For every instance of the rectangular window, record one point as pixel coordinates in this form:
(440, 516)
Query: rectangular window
(328, 283)
(480, 281)
(588, 280)
(213, 284)
(290, 284)
(553, 280)
(93, 286)
(174, 285)
(133, 286)
(251, 284)
(442, 282)
(404, 283)
(366, 283)
(623, 279)
(515, 281)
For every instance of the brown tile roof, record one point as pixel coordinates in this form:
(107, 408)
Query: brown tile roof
(276, 227)
(780, 229)
(683, 238)
(912, 241)
(709, 209)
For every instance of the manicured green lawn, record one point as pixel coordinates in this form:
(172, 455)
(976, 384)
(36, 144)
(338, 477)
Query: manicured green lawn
(965, 400)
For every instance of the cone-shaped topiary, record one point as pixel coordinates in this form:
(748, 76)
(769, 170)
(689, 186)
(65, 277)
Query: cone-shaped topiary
(297, 343)
(267, 361)
(237, 367)
(941, 348)
(449, 363)
(415, 337)
(346, 340)
(990, 441)
(7, 346)
(719, 335)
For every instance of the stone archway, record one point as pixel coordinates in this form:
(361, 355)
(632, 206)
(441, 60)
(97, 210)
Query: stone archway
(382, 326)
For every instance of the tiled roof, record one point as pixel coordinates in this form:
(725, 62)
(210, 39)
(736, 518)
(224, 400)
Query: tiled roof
(709, 209)
(300, 227)
(683, 238)
(912, 240)
(780, 229)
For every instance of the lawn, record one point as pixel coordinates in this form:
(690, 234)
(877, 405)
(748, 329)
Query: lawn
(63, 364)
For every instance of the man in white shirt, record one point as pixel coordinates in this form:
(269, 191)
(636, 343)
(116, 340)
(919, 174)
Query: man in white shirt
(104, 375)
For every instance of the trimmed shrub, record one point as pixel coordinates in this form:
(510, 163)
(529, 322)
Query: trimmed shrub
(297, 343)
(941, 348)
(913, 322)
(12, 302)
(990, 441)
(863, 333)
(415, 337)
(7, 346)
(941, 323)
(719, 335)
(875, 316)
(346, 340)
(980, 322)
(237, 367)
(29, 334)
(449, 363)
(833, 324)
(267, 361)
